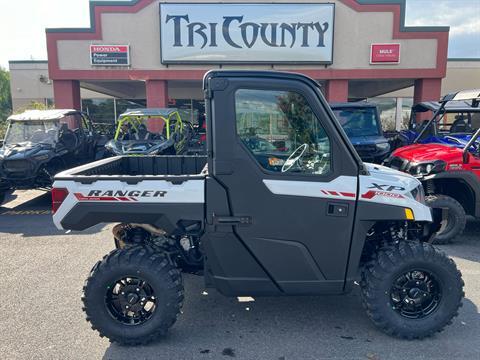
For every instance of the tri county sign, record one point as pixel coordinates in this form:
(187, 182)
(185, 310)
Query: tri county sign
(246, 33)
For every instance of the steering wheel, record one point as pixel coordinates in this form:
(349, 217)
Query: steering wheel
(292, 159)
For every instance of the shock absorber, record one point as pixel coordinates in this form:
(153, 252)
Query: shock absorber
(430, 187)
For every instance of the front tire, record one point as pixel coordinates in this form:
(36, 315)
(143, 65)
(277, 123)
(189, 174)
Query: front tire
(411, 290)
(133, 295)
(456, 218)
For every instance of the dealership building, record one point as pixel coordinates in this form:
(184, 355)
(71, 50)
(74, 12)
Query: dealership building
(155, 54)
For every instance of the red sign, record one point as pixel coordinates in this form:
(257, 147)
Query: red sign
(109, 55)
(385, 54)
(109, 48)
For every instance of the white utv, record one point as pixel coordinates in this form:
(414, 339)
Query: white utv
(302, 215)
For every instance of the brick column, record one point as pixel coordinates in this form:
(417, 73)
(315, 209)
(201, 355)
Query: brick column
(67, 94)
(157, 93)
(336, 90)
(426, 90)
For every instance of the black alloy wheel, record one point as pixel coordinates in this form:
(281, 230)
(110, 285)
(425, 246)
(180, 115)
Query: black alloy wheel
(131, 300)
(415, 294)
(133, 295)
(411, 289)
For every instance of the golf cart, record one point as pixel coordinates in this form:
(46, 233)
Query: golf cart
(449, 172)
(150, 131)
(361, 122)
(40, 143)
(453, 123)
(321, 223)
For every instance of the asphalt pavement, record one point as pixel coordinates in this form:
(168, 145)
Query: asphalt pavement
(42, 271)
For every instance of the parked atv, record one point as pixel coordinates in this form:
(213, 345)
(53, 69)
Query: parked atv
(40, 143)
(449, 173)
(150, 132)
(316, 225)
(361, 122)
(453, 125)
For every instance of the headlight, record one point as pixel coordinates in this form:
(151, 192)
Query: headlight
(41, 157)
(428, 168)
(111, 146)
(419, 194)
(383, 146)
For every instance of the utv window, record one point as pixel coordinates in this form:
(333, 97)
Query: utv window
(359, 121)
(281, 131)
(35, 132)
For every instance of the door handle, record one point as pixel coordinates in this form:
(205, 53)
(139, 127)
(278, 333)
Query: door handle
(337, 209)
(232, 220)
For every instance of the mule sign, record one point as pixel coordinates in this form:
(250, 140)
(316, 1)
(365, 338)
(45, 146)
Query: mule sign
(385, 54)
(246, 33)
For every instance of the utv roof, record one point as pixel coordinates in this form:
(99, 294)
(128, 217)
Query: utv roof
(357, 104)
(454, 106)
(41, 115)
(473, 94)
(271, 74)
(149, 112)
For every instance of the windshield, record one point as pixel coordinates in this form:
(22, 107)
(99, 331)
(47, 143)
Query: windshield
(140, 128)
(358, 121)
(36, 132)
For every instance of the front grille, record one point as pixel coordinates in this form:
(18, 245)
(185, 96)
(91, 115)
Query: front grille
(366, 149)
(366, 152)
(17, 166)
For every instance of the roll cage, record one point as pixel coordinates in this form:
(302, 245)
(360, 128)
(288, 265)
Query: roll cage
(85, 125)
(466, 101)
(134, 118)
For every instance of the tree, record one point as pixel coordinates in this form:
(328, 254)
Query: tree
(5, 99)
(5, 94)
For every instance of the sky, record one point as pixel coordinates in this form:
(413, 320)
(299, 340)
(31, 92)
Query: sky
(23, 23)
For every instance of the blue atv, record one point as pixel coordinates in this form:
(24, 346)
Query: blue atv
(361, 122)
(451, 124)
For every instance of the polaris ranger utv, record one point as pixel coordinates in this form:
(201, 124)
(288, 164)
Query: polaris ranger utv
(311, 220)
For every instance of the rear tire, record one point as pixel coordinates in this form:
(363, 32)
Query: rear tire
(428, 301)
(456, 219)
(137, 279)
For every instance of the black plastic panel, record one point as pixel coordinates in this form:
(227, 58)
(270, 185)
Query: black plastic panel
(232, 268)
(165, 216)
(137, 166)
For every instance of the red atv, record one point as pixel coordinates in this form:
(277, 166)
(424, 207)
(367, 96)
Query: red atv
(450, 175)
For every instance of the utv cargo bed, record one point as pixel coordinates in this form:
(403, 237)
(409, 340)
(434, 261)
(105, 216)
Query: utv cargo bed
(133, 190)
(138, 167)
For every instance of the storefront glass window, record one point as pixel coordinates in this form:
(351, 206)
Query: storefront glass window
(123, 105)
(407, 104)
(387, 110)
(190, 110)
(99, 110)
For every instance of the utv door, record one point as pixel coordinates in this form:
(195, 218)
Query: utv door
(290, 178)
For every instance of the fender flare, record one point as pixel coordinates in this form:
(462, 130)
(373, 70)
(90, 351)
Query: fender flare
(467, 177)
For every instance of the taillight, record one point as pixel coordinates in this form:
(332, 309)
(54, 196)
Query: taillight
(58, 196)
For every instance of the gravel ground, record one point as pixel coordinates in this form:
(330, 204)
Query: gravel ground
(43, 269)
